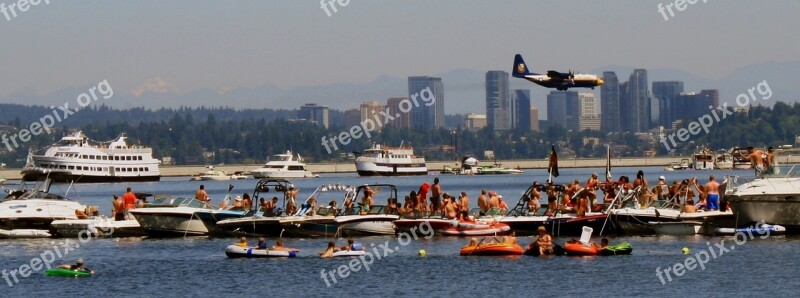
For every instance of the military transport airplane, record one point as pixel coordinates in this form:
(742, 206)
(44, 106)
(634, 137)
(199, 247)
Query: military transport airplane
(553, 79)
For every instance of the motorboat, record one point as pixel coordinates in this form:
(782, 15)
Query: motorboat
(283, 166)
(390, 161)
(724, 161)
(703, 160)
(492, 249)
(775, 199)
(36, 208)
(375, 220)
(76, 158)
(98, 226)
(739, 161)
(496, 169)
(169, 216)
(677, 228)
(258, 221)
(213, 175)
(211, 217)
(761, 230)
(315, 218)
(685, 165)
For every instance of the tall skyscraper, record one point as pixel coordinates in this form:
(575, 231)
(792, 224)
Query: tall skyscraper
(521, 109)
(402, 115)
(626, 106)
(314, 112)
(534, 118)
(609, 100)
(667, 92)
(424, 116)
(369, 110)
(639, 98)
(588, 112)
(564, 110)
(692, 105)
(497, 100)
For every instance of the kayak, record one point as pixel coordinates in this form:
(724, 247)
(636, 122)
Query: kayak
(67, 272)
(492, 249)
(577, 248)
(533, 250)
(465, 228)
(623, 248)
(235, 251)
(760, 230)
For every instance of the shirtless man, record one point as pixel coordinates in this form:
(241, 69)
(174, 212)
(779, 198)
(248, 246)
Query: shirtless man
(533, 202)
(591, 187)
(712, 193)
(450, 208)
(201, 194)
(464, 208)
(552, 198)
(494, 200)
(119, 208)
(756, 160)
(483, 204)
(436, 195)
(545, 242)
(291, 203)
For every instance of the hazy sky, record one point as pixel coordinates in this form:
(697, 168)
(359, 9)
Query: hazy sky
(219, 45)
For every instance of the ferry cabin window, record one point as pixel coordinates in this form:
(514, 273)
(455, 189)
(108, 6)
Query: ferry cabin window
(295, 168)
(105, 157)
(139, 157)
(116, 157)
(71, 167)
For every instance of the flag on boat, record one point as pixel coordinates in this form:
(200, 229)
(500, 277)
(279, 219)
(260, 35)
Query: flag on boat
(552, 168)
(608, 163)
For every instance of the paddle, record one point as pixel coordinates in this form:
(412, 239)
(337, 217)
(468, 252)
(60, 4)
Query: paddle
(476, 246)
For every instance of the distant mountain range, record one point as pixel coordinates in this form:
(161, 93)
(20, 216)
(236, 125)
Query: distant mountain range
(464, 90)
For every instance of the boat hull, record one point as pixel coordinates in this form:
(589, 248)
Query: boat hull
(169, 224)
(323, 227)
(558, 226)
(366, 225)
(778, 210)
(235, 251)
(492, 249)
(261, 226)
(66, 177)
(97, 228)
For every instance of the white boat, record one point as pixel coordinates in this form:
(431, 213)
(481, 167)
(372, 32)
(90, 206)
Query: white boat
(679, 228)
(724, 161)
(321, 222)
(377, 220)
(24, 234)
(256, 221)
(775, 199)
(759, 230)
(167, 216)
(97, 227)
(703, 160)
(390, 161)
(283, 166)
(77, 158)
(685, 165)
(739, 162)
(214, 175)
(235, 251)
(36, 208)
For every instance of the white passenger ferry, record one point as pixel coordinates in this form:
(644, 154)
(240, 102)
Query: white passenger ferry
(390, 161)
(77, 158)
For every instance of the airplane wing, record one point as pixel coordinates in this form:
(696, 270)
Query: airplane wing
(554, 75)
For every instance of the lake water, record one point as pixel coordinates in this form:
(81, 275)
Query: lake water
(197, 265)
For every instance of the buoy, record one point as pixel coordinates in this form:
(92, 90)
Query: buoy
(421, 252)
(685, 250)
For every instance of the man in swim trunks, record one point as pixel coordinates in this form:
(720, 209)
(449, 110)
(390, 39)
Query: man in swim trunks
(436, 195)
(483, 203)
(545, 242)
(129, 198)
(757, 161)
(712, 193)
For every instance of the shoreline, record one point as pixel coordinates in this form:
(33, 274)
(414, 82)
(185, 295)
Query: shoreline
(349, 167)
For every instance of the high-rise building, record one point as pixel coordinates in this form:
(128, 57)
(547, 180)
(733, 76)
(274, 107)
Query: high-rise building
(497, 100)
(637, 118)
(424, 116)
(402, 115)
(691, 105)
(369, 110)
(609, 100)
(535, 118)
(667, 92)
(474, 121)
(521, 109)
(626, 106)
(588, 112)
(315, 113)
(352, 118)
(564, 109)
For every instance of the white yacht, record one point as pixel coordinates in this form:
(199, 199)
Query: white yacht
(390, 161)
(77, 158)
(724, 161)
(775, 199)
(283, 166)
(35, 208)
(703, 160)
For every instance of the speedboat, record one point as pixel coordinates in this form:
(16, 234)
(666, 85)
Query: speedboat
(168, 216)
(211, 217)
(35, 208)
(377, 220)
(491, 249)
(775, 199)
(283, 166)
(317, 219)
(259, 222)
(213, 175)
(703, 160)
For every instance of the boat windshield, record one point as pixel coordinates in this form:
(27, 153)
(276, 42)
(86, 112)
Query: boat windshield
(782, 171)
(40, 195)
(176, 202)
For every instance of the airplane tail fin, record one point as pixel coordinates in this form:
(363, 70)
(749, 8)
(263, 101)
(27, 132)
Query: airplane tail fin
(520, 69)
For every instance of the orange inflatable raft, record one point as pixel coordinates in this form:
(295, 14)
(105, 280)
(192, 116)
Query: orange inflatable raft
(492, 249)
(576, 248)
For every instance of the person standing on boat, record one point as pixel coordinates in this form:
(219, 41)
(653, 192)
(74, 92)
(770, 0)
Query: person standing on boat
(119, 209)
(291, 204)
(436, 195)
(533, 201)
(772, 162)
(464, 207)
(201, 195)
(712, 193)
(367, 201)
(757, 161)
(129, 199)
(483, 204)
(422, 200)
